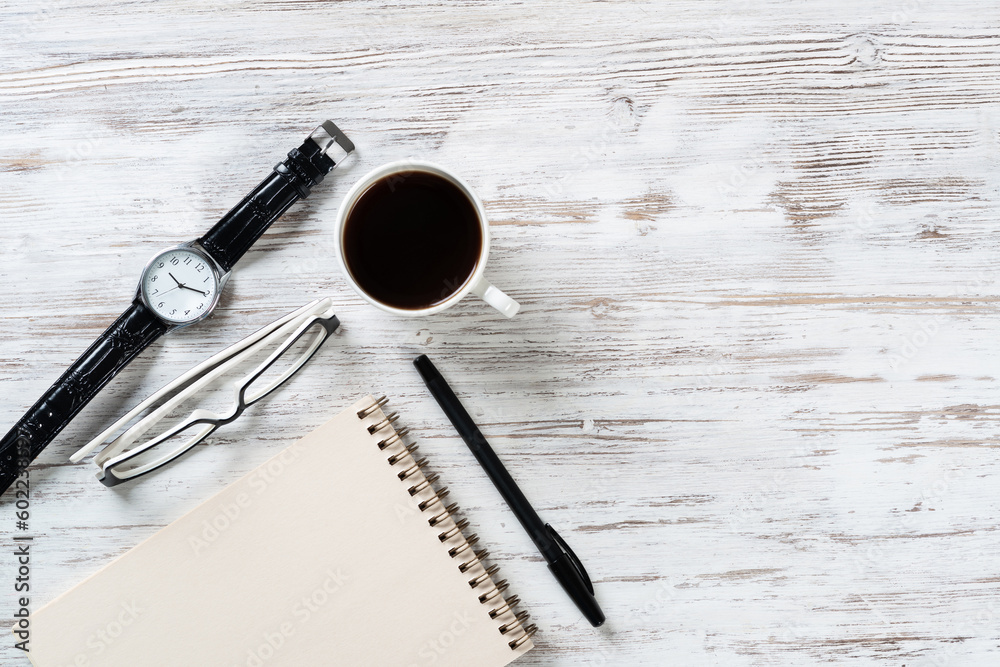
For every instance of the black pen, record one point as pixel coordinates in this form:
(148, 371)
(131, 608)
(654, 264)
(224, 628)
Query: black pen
(563, 563)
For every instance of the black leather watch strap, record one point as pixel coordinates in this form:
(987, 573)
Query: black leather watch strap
(127, 337)
(292, 179)
(226, 242)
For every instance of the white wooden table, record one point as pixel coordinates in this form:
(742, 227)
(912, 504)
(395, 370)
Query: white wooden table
(754, 377)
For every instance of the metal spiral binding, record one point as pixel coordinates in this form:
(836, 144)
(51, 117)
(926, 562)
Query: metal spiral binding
(511, 603)
(409, 449)
(497, 589)
(396, 436)
(519, 617)
(413, 469)
(445, 513)
(438, 497)
(400, 456)
(469, 542)
(428, 481)
(389, 419)
(455, 531)
(486, 575)
(477, 557)
(379, 402)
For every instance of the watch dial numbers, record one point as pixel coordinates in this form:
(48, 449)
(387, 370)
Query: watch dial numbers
(183, 283)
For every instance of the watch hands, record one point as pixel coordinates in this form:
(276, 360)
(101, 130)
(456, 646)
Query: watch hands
(183, 286)
(194, 290)
(164, 292)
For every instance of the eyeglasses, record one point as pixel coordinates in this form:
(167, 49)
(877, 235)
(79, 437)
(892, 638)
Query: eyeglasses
(277, 352)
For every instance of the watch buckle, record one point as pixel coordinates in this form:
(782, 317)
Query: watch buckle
(328, 134)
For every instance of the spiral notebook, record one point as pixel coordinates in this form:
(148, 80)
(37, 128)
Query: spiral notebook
(337, 551)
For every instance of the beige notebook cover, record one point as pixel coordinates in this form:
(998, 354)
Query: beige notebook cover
(321, 556)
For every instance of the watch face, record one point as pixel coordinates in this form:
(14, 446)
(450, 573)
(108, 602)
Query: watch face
(180, 285)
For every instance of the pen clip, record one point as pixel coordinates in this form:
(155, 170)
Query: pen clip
(572, 557)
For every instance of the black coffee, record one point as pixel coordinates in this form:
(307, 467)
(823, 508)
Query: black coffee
(412, 240)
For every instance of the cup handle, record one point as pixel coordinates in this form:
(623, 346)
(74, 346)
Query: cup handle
(496, 298)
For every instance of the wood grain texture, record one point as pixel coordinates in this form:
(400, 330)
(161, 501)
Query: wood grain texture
(755, 246)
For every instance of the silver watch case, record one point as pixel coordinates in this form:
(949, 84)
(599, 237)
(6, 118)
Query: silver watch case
(222, 277)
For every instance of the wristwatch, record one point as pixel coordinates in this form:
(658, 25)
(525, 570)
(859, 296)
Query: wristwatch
(178, 287)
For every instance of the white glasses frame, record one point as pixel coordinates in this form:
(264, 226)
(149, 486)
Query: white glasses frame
(291, 328)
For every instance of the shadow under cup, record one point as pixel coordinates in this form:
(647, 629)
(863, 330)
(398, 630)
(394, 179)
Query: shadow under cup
(412, 240)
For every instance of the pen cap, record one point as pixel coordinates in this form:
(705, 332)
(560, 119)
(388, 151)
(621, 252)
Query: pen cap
(578, 588)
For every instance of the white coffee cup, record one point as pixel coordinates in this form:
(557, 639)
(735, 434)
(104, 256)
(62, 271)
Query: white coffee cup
(476, 283)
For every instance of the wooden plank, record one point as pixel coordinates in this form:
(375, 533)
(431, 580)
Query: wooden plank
(755, 247)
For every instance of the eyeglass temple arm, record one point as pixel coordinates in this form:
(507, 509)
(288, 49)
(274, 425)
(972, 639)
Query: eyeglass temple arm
(319, 305)
(134, 432)
(328, 321)
(195, 385)
(126, 439)
(111, 456)
(111, 461)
